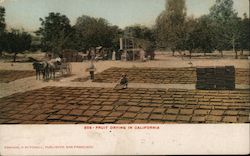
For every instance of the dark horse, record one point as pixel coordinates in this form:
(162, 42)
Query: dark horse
(41, 68)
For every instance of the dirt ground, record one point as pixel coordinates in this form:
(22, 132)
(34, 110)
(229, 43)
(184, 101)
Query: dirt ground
(21, 89)
(79, 71)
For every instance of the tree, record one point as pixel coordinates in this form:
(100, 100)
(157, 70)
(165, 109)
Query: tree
(191, 37)
(139, 31)
(93, 32)
(199, 35)
(170, 25)
(55, 32)
(2, 19)
(17, 41)
(226, 24)
(117, 34)
(244, 36)
(2, 29)
(205, 33)
(143, 35)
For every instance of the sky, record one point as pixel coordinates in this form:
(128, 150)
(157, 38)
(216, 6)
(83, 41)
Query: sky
(26, 13)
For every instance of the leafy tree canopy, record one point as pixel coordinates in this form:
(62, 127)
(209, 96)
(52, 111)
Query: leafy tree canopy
(17, 41)
(170, 25)
(93, 32)
(55, 32)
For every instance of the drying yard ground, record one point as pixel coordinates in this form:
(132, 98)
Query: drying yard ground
(160, 75)
(160, 91)
(133, 105)
(12, 75)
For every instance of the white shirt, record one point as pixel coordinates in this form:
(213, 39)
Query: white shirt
(58, 59)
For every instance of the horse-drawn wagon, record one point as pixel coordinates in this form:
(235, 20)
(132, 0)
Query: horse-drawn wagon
(48, 69)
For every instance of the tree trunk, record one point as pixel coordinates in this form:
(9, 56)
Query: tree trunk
(234, 44)
(241, 54)
(14, 57)
(236, 54)
(173, 51)
(181, 54)
(1, 53)
(190, 54)
(221, 53)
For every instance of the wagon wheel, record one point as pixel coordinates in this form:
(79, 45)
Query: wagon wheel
(68, 68)
(61, 70)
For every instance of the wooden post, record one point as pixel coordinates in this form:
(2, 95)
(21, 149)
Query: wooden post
(121, 43)
(133, 49)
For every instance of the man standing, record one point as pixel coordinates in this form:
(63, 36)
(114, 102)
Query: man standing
(142, 54)
(91, 70)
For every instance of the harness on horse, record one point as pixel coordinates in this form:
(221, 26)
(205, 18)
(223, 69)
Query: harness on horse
(48, 68)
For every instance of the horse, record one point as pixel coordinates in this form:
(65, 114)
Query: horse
(51, 69)
(53, 66)
(40, 68)
(37, 67)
